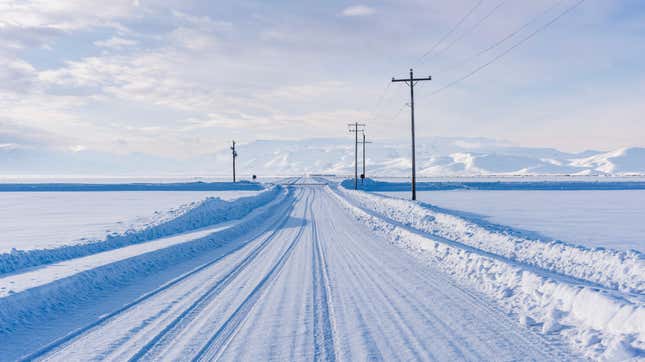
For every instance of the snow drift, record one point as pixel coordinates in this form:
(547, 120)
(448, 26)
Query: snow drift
(613, 269)
(599, 324)
(176, 186)
(192, 216)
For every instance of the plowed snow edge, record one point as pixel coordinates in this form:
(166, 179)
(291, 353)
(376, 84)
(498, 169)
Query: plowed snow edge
(597, 325)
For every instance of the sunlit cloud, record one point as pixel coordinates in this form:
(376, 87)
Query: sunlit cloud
(358, 10)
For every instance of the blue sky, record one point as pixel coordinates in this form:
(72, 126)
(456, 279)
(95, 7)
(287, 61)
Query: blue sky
(181, 78)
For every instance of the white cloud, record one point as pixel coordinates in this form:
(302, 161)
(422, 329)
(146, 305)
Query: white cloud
(65, 15)
(193, 39)
(16, 74)
(358, 10)
(9, 146)
(115, 43)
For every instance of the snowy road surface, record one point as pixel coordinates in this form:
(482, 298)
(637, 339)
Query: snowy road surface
(316, 284)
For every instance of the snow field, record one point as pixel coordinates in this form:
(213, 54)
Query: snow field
(190, 216)
(599, 324)
(593, 219)
(29, 296)
(316, 285)
(614, 269)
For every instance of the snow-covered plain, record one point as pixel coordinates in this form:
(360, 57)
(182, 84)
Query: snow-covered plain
(610, 219)
(31, 220)
(309, 271)
(299, 280)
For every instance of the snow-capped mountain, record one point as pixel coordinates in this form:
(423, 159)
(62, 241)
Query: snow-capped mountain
(435, 157)
(623, 160)
(438, 156)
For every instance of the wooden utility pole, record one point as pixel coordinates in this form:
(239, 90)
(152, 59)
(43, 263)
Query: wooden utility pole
(234, 153)
(411, 82)
(363, 176)
(355, 131)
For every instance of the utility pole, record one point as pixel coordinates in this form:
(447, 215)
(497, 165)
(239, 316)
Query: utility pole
(234, 153)
(355, 131)
(364, 142)
(411, 82)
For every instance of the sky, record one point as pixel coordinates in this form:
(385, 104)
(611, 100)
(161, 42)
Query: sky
(182, 78)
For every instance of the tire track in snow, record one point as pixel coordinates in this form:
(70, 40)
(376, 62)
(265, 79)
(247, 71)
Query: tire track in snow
(220, 339)
(360, 275)
(360, 307)
(393, 290)
(63, 342)
(324, 343)
(182, 321)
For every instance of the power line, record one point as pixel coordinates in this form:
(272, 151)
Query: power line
(508, 50)
(472, 28)
(398, 113)
(506, 37)
(379, 100)
(452, 30)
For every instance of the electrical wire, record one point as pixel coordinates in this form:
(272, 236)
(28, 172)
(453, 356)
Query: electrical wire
(379, 101)
(508, 50)
(445, 36)
(472, 28)
(449, 33)
(502, 40)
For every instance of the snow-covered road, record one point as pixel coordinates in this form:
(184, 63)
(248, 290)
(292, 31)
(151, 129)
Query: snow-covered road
(315, 284)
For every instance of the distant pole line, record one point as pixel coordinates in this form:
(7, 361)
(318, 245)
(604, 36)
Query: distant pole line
(234, 154)
(363, 175)
(356, 130)
(411, 82)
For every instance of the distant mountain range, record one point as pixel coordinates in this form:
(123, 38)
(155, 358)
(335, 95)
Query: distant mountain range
(435, 157)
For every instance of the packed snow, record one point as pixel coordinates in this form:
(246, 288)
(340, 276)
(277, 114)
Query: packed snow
(607, 219)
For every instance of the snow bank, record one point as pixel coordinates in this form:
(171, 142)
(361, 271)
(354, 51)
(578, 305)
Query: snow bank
(176, 186)
(192, 216)
(606, 184)
(598, 325)
(32, 303)
(614, 269)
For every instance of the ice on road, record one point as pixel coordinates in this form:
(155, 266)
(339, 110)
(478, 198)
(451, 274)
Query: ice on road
(316, 285)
